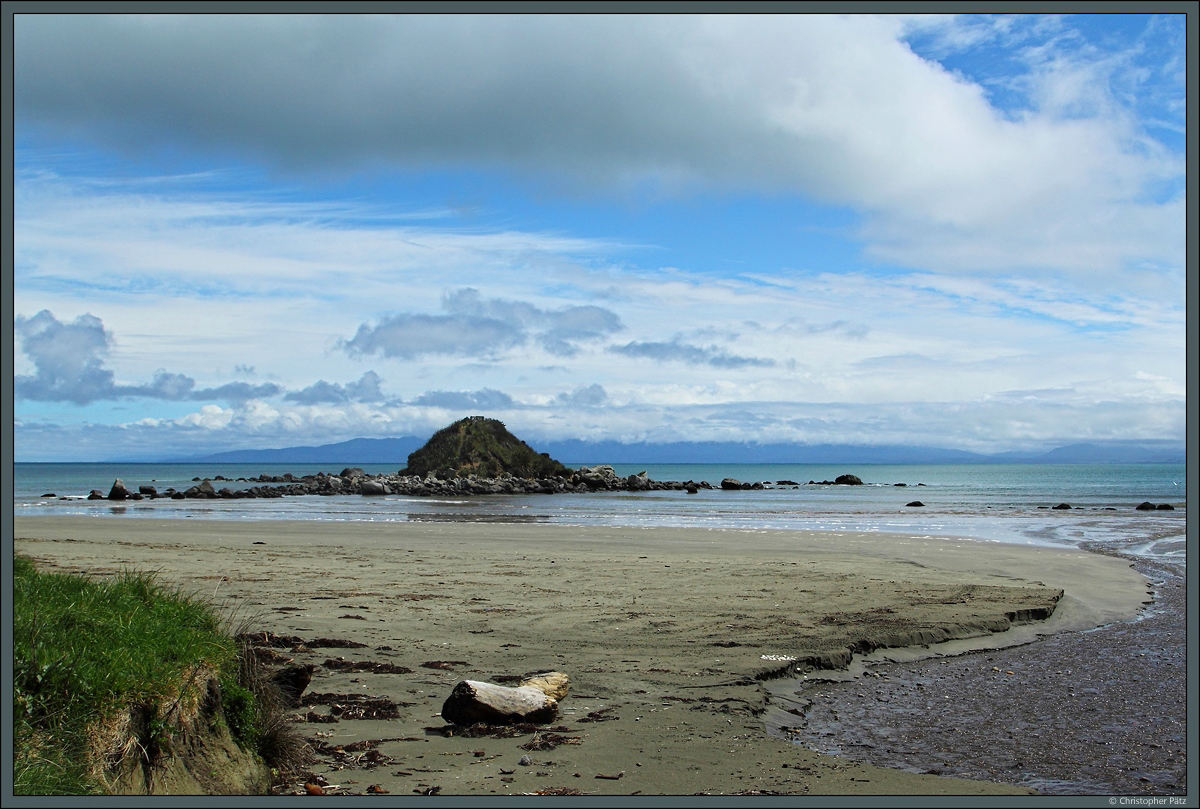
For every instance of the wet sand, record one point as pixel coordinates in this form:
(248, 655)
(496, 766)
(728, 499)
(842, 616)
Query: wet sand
(999, 715)
(668, 636)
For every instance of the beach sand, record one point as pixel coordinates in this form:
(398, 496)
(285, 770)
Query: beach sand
(667, 635)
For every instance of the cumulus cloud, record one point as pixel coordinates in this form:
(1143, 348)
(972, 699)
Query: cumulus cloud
(1048, 418)
(838, 107)
(485, 399)
(366, 389)
(556, 329)
(591, 396)
(478, 327)
(676, 351)
(69, 358)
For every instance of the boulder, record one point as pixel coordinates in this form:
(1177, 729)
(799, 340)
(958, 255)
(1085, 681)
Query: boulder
(730, 483)
(373, 487)
(472, 702)
(95, 494)
(598, 477)
(915, 504)
(202, 489)
(351, 472)
(1147, 506)
(148, 490)
(1164, 507)
(848, 480)
(118, 491)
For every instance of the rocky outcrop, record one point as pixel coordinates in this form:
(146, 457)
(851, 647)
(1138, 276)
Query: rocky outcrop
(483, 447)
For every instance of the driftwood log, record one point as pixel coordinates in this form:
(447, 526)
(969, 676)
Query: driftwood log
(553, 684)
(472, 702)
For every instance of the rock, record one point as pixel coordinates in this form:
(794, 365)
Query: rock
(692, 490)
(372, 487)
(899, 484)
(786, 483)
(1063, 506)
(848, 480)
(118, 491)
(915, 504)
(1164, 507)
(598, 477)
(730, 483)
(351, 472)
(148, 490)
(638, 482)
(202, 489)
(553, 684)
(472, 702)
(1147, 506)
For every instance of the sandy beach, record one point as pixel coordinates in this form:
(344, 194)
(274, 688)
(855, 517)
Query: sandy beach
(667, 635)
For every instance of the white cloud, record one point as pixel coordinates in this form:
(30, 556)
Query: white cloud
(834, 106)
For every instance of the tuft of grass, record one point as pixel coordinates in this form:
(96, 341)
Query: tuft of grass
(86, 652)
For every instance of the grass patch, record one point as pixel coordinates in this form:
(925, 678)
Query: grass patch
(106, 669)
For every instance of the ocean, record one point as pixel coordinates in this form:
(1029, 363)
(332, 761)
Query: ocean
(1012, 503)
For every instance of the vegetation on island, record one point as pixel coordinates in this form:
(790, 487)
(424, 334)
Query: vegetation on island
(481, 447)
(111, 678)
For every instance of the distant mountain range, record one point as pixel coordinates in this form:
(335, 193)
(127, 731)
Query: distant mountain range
(575, 452)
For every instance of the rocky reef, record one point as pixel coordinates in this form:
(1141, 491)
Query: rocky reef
(474, 455)
(353, 480)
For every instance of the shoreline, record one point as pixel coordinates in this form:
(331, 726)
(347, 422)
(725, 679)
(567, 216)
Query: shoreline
(667, 634)
(1128, 678)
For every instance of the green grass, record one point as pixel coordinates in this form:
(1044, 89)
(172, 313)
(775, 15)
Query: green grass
(85, 650)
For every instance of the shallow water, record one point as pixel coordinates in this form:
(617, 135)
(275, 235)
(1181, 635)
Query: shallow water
(994, 503)
(1100, 712)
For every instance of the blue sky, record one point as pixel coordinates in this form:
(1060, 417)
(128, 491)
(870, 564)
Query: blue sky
(261, 231)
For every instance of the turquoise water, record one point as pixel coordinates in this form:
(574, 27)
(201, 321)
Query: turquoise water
(997, 503)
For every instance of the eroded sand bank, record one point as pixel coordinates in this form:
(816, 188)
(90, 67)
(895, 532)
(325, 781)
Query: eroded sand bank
(664, 633)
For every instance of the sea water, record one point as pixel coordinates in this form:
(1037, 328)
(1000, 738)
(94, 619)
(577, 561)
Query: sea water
(1011, 503)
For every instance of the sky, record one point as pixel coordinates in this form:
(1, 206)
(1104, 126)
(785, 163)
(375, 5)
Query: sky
(263, 231)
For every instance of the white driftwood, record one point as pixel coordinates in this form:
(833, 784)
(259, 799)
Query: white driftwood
(472, 702)
(553, 684)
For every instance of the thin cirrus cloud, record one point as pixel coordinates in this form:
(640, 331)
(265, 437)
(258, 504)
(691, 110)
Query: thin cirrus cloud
(69, 363)
(478, 327)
